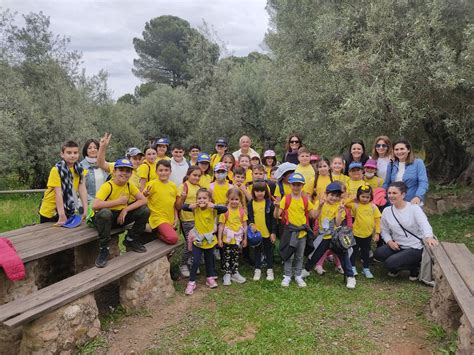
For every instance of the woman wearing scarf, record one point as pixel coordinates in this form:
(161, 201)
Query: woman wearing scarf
(96, 176)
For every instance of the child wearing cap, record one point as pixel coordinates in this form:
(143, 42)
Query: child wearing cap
(221, 149)
(220, 185)
(330, 212)
(162, 197)
(147, 170)
(370, 177)
(295, 209)
(179, 165)
(356, 180)
(162, 146)
(66, 180)
(281, 175)
(113, 206)
(269, 161)
(204, 164)
(304, 168)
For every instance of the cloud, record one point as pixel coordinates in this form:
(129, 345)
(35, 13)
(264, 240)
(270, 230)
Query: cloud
(103, 30)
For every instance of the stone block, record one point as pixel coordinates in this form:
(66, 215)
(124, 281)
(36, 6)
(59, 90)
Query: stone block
(62, 330)
(465, 341)
(146, 286)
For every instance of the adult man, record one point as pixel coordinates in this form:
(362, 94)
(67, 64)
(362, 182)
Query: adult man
(245, 142)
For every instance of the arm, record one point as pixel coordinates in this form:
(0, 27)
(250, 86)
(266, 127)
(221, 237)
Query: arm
(83, 197)
(60, 206)
(422, 181)
(220, 231)
(104, 143)
(244, 240)
(220, 209)
(98, 204)
(377, 229)
(142, 184)
(388, 175)
(140, 200)
(339, 215)
(251, 218)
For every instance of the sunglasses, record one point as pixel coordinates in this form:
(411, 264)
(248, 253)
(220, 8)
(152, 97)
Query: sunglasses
(381, 146)
(221, 145)
(294, 142)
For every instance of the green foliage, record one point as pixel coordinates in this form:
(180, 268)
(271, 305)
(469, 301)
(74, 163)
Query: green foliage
(93, 346)
(18, 210)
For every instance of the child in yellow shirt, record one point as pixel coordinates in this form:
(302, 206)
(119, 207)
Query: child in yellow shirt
(147, 170)
(356, 180)
(202, 239)
(232, 234)
(306, 169)
(337, 170)
(244, 162)
(370, 177)
(220, 185)
(366, 224)
(322, 179)
(162, 146)
(269, 161)
(204, 163)
(229, 160)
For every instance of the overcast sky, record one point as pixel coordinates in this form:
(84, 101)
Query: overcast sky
(103, 30)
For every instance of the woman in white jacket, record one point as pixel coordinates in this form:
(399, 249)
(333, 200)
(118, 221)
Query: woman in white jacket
(404, 228)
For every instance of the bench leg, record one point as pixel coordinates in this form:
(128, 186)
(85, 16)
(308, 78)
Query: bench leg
(64, 329)
(465, 337)
(148, 285)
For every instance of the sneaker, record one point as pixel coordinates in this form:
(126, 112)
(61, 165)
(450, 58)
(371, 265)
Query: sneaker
(211, 283)
(305, 273)
(198, 272)
(238, 278)
(215, 277)
(299, 281)
(319, 270)
(257, 275)
(412, 278)
(354, 271)
(226, 280)
(351, 282)
(103, 257)
(286, 281)
(367, 273)
(340, 270)
(393, 274)
(270, 276)
(413, 275)
(190, 288)
(184, 270)
(134, 245)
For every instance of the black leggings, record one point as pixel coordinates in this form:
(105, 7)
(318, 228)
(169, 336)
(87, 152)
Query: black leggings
(319, 252)
(208, 261)
(398, 260)
(363, 247)
(267, 247)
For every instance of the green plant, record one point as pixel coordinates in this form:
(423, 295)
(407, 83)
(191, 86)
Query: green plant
(92, 346)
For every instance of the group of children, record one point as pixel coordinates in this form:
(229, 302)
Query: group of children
(224, 206)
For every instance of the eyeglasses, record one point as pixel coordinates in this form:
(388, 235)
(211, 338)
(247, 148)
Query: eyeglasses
(294, 142)
(381, 146)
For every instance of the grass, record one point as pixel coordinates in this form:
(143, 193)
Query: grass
(93, 346)
(19, 210)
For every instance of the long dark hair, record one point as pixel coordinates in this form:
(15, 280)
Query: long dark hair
(348, 156)
(289, 139)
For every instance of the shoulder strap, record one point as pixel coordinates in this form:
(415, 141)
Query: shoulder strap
(402, 227)
(284, 215)
(111, 189)
(282, 188)
(242, 214)
(348, 217)
(306, 212)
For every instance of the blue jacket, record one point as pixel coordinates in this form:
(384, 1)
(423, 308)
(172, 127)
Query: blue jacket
(414, 177)
(269, 219)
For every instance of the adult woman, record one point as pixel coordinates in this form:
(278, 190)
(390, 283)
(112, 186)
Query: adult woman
(409, 170)
(356, 153)
(382, 152)
(221, 149)
(95, 176)
(292, 145)
(404, 228)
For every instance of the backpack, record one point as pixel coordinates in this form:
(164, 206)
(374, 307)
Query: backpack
(241, 212)
(380, 197)
(342, 237)
(284, 214)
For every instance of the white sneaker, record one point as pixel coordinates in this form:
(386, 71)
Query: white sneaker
(238, 278)
(257, 275)
(354, 271)
(319, 270)
(270, 276)
(226, 280)
(351, 282)
(340, 270)
(299, 281)
(184, 270)
(305, 273)
(286, 281)
(198, 271)
(393, 274)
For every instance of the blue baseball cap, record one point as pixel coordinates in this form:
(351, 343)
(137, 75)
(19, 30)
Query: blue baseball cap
(334, 187)
(203, 158)
(123, 163)
(296, 178)
(355, 165)
(73, 221)
(163, 141)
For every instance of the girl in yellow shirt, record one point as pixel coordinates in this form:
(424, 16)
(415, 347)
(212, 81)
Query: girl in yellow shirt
(317, 188)
(269, 161)
(202, 239)
(147, 171)
(366, 224)
(220, 185)
(337, 170)
(232, 234)
(204, 163)
(229, 160)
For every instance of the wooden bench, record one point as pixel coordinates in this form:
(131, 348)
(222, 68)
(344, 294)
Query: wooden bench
(452, 304)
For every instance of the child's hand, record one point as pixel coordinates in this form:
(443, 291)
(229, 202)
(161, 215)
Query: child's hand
(122, 200)
(322, 200)
(244, 243)
(184, 194)
(277, 201)
(146, 191)
(61, 221)
(273, 238)
(193, 206)
(341, 208)
(376, 237)
(210, 205)
(105, 140)
(121, 217)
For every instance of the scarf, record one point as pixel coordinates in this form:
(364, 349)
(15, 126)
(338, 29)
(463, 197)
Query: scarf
(92, 162)
(69, 199)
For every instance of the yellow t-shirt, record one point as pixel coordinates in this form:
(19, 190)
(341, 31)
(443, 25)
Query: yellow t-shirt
(341, 177)
(219, 192)
(328, 214)
(230, 175)
(248, 177)
(367, 219)
(353, 186)
(48, 204)
(374, 182)
(134, 179)
(259, 217)
(286, 190)
(162, 158)
(205, 222)
(296, 212)
(205, 181)
(186, 216)
(161, 202)
(114, 191)
(215, 158)
(147, 171)
(323, 182)
(233, 222)
(268, 172)
(307, 171)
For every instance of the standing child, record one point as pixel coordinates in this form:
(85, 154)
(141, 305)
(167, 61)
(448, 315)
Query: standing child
(337, 170)
(162, 197)
(356, 180)
(370, 177)
(179, 165)
(187, 193)
(204, 164)
(112, 207)
(221, 149)
(239, 183)
(244, 162)
(65, 181)
(255, 160)
(306, 169)
(367, 223)
(162, 146)
(147, 170)
(232, 234)
(220, 185)
(269, 161)
(330, 212)
(295, 211)
(202, 239)
(229, 160)
(322, 179)
(261, 219)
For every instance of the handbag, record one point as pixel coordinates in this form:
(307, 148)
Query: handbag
(342, 239)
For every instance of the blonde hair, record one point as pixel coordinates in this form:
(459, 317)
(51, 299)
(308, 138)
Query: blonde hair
(234, 191)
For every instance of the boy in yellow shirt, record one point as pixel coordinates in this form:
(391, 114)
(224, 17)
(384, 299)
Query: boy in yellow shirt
(65, 180)
(112, 208)
(295, 209)
(306, 169)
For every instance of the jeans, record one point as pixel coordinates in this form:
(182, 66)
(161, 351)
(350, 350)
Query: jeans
(362, 246)
(398, 260)
(267, 247)
(208, 260)
(297, 257)
(319, 252)
(187, 254)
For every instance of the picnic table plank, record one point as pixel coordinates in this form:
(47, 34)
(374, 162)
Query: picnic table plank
(26, 230)
(463, 261)
(460, 290)
(52, 297)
